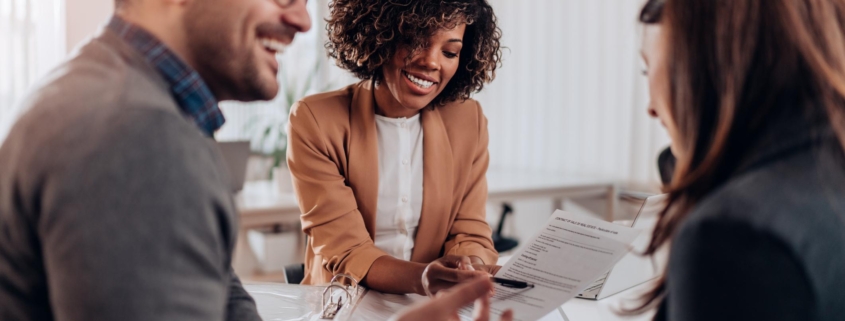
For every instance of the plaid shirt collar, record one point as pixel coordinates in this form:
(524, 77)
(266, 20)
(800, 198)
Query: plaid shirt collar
(189, 90)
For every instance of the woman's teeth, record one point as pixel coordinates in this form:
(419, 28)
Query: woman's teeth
(419, 82)
(273, 45)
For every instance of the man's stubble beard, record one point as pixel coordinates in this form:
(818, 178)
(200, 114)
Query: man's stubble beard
(229, 75)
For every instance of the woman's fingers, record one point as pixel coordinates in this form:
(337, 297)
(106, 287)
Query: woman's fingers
(448, 271)
(491, 269)
(455, 317)
(445, 305)
(452, 275)
(507, 316)
(465, 264)
(454, 261)
(481, 311)
(438, 287)
(463, 294)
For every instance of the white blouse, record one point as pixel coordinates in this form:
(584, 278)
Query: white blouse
(400, 184)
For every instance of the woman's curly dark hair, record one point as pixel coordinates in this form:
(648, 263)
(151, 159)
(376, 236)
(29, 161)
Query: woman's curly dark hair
(365, 34)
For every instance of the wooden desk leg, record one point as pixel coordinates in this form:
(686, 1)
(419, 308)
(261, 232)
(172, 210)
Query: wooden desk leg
(612, 202)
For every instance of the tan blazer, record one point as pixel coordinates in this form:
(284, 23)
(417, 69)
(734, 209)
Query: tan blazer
(333, 156)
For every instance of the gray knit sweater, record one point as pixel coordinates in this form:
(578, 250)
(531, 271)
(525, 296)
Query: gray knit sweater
(113, 206)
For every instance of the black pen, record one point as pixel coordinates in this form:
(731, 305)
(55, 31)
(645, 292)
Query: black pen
(511, 283)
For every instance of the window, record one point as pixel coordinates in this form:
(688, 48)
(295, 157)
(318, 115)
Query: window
(31, 43)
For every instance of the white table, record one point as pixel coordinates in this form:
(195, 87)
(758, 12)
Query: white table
(604, 310)
(294, 302)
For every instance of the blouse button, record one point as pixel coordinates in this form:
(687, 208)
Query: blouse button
(402, 125)
(405, 162)
(404, 199)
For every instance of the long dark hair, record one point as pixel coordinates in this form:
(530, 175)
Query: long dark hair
(731, 65)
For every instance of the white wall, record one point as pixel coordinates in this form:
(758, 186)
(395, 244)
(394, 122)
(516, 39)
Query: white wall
(84, 18)
(570, 96)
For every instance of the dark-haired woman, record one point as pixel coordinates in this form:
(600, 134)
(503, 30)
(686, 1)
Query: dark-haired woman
(390, 172)
(752, 93)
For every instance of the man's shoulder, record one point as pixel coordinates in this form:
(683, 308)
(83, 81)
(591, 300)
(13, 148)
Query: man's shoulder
(93, 75)
(96, 82)
(96, 96)
(148, 132)
(100, 73)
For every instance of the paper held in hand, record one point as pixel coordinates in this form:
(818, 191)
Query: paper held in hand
(565, 257)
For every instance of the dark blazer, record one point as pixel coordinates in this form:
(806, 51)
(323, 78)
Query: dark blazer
(770, 243)
(113, 205)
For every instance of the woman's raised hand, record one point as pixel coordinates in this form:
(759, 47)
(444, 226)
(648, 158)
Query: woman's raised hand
(446, 303)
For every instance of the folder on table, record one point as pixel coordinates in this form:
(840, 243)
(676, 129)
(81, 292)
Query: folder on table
(334, 301)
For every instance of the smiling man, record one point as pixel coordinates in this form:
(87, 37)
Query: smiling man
(114, 200)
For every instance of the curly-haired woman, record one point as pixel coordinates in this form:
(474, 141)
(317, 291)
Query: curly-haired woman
(390, 172)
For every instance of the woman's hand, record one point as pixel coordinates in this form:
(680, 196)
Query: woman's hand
(446, 304)
(490, 269)
(478, 265)
(446, 272)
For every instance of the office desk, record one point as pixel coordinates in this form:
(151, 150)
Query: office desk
(298, 302)
(261, 205)
(285, 302)
(603, 310)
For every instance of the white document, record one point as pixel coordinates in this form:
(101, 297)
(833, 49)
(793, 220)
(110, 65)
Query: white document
(565, 257)
(382, 306)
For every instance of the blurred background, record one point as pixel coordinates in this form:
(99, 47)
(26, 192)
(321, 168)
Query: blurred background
(568, 102)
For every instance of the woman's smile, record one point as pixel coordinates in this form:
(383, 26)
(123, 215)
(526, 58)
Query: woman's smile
(419, 84)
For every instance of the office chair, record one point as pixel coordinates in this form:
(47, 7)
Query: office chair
(501, 243)
(294, 273)
(666, 165)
